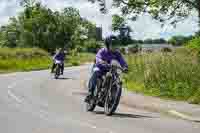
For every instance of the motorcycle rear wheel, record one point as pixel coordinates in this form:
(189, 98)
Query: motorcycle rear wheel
(57, 72)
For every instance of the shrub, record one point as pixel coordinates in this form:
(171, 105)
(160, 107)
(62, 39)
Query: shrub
(194, 45)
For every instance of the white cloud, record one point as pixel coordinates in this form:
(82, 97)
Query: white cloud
(145, 27)
(8, 8)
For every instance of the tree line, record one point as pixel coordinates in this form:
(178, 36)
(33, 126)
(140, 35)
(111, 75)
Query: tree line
(39, 26)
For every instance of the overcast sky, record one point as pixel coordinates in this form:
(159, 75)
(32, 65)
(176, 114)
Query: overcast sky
(144, 27)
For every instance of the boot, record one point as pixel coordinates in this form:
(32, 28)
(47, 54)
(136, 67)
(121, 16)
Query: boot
(88, 98)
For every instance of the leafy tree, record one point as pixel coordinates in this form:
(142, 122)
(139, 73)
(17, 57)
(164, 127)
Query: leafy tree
(119, 25)
(162, 10)
(117, 22)
(39, 26)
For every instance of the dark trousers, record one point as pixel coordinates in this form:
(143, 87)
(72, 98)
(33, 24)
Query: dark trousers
(93, 81)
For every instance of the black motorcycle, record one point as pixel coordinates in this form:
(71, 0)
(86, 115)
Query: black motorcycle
(108, 91)
(58, 69)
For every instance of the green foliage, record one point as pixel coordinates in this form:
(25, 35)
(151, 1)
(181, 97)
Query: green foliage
(170, 75)
(179, 40)
(80, 58)
(39, 26)
(119, 25)
(117, 22)
(195, 99)
(162, 10)
(91, 45)
(27, 59)
(194, 44)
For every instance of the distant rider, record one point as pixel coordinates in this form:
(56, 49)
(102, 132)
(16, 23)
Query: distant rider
(60, 56)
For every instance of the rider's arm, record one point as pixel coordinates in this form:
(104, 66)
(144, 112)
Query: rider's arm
(121, 60)
(100, 57)
(54, 57)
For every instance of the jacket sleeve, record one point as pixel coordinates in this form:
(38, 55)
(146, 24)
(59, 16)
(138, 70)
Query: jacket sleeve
(121, 60)
(99, 56)
(54, 57)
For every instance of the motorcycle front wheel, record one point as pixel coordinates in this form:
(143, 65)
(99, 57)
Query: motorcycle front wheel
(112, 100)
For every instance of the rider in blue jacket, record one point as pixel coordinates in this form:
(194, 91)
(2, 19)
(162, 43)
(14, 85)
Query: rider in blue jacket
(60, 56)
(104, 57)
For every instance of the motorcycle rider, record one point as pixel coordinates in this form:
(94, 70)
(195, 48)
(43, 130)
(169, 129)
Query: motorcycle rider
(103, 58)
(60, 56)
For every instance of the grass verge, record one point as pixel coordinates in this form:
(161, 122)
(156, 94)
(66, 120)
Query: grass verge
(168, 75)
(28, 59)
(25, 59)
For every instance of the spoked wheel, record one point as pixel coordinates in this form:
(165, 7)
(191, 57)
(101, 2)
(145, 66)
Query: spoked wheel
(112, 100)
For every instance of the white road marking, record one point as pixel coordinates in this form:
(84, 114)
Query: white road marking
(15, 83)
(95, 127)
(184, 116)
(12, 85)
(174, 112)
(14, 96)
(8, 75)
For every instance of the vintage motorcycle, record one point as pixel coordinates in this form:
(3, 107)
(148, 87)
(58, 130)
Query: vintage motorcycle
(58, 68)
(108, 90)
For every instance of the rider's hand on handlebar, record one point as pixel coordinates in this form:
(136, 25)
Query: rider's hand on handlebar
(125, 70)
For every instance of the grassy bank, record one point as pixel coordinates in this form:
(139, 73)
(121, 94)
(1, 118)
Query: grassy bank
(23, 59)
(28, 59)
(169, 75)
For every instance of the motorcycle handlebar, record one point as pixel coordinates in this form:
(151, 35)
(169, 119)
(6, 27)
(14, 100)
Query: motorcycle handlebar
(118, 67)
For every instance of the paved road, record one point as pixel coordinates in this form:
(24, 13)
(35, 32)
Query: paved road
(34, 102)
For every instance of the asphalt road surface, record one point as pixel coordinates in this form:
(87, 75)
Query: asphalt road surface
(34, 102)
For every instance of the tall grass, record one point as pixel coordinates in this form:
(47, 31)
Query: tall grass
(170, 75)
(23, 59)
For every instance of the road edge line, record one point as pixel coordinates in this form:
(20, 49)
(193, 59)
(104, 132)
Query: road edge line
(183, 116)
